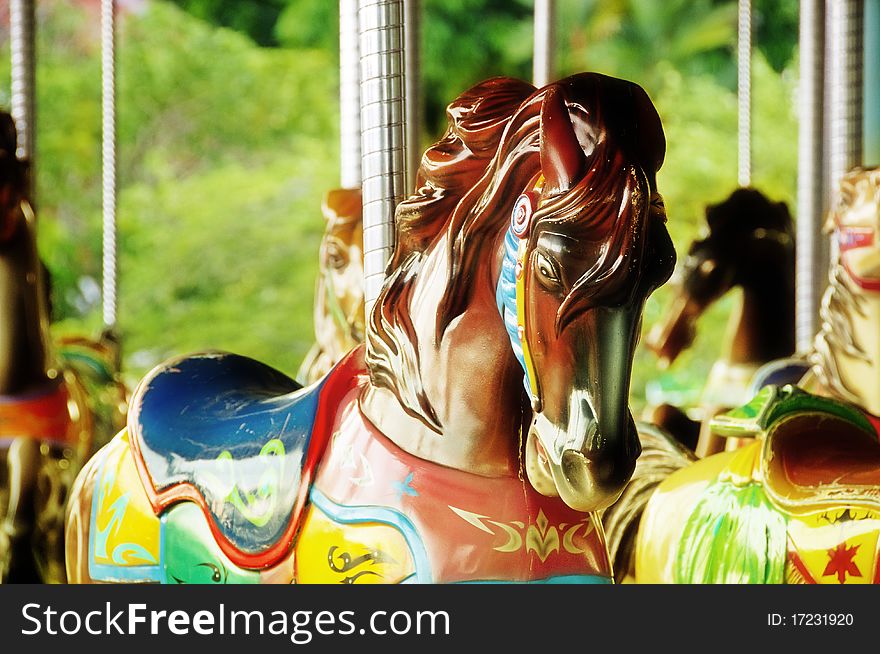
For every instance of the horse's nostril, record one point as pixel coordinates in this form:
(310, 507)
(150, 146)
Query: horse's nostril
(599, 466)
(576, 468)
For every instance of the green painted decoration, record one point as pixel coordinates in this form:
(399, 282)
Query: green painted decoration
(190, 555)
(733, 536)
(773, 402)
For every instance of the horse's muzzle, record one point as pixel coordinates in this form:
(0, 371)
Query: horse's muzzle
(587, 479)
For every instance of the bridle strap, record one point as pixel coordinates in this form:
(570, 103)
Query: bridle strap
(510, 292)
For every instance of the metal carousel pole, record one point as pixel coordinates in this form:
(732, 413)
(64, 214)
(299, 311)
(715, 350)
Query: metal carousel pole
(22, 45)
(871, 88)
(543, 69)
(843, 98)
(383, 151)
(812, 247)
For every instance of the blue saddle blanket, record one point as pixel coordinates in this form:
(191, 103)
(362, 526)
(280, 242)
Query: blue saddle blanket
(237, 431)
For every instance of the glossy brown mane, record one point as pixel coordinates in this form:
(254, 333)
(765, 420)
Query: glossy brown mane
(454, 165)
(469, 182)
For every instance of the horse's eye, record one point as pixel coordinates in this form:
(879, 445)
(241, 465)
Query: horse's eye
(335, 256)
(693, 263)
(547, 271)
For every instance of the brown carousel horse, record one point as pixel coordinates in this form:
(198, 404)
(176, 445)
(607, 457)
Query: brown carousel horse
(339, 293)
(56, 404)
(484, 422)
(749, 245)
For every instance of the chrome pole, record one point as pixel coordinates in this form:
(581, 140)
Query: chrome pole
(383, 153)
(844, 19)
(871, 89)
(349, 96)
(812, 247)
(543, 70)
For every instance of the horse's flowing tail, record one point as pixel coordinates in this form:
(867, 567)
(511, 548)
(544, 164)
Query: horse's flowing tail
(662, 454)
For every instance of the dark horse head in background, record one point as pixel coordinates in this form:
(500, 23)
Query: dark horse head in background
(749, 244)
(506, 329)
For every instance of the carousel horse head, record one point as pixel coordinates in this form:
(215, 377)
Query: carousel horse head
(57, 404)
(749, 243)
(856, 220)
(23, 291)
(535, 237)
(847, 348)
(339, 293)
(341, 304)
(13, 173)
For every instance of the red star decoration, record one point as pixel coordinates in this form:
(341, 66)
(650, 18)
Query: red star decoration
(840, 562)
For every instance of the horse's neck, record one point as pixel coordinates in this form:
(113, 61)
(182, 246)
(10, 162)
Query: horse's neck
(24, 349)
(470, 377)
(763, 328)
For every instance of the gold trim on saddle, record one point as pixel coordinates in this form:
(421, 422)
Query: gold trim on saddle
(816, 451)
(812, 460)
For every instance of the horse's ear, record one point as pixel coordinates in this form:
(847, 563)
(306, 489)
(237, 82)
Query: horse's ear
(562, 158)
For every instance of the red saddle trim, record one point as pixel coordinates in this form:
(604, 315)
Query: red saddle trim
(798, 563)
(874, 420)
(343, 378)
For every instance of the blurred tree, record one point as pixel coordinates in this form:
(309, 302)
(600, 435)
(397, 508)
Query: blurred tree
(776, 30)
(309, 24)
(629, 38)
(256, 18)
(466, 41)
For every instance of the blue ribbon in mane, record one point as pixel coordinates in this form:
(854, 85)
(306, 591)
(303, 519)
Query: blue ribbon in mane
(505, 299)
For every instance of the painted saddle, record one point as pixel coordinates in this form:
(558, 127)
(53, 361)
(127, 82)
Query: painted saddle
(799, 503)
(229, 471)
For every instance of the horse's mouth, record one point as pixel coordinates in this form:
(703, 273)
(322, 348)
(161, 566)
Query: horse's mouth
(538, 466)
(670, 337)
(585, 483)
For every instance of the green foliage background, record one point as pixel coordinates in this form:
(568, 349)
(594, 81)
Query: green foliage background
(228, 138)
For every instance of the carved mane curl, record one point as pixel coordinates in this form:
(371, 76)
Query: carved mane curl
(836, 334)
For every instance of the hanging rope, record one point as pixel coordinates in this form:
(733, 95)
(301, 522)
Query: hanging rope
(108, 152)
(744, 93)
(21, 38)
